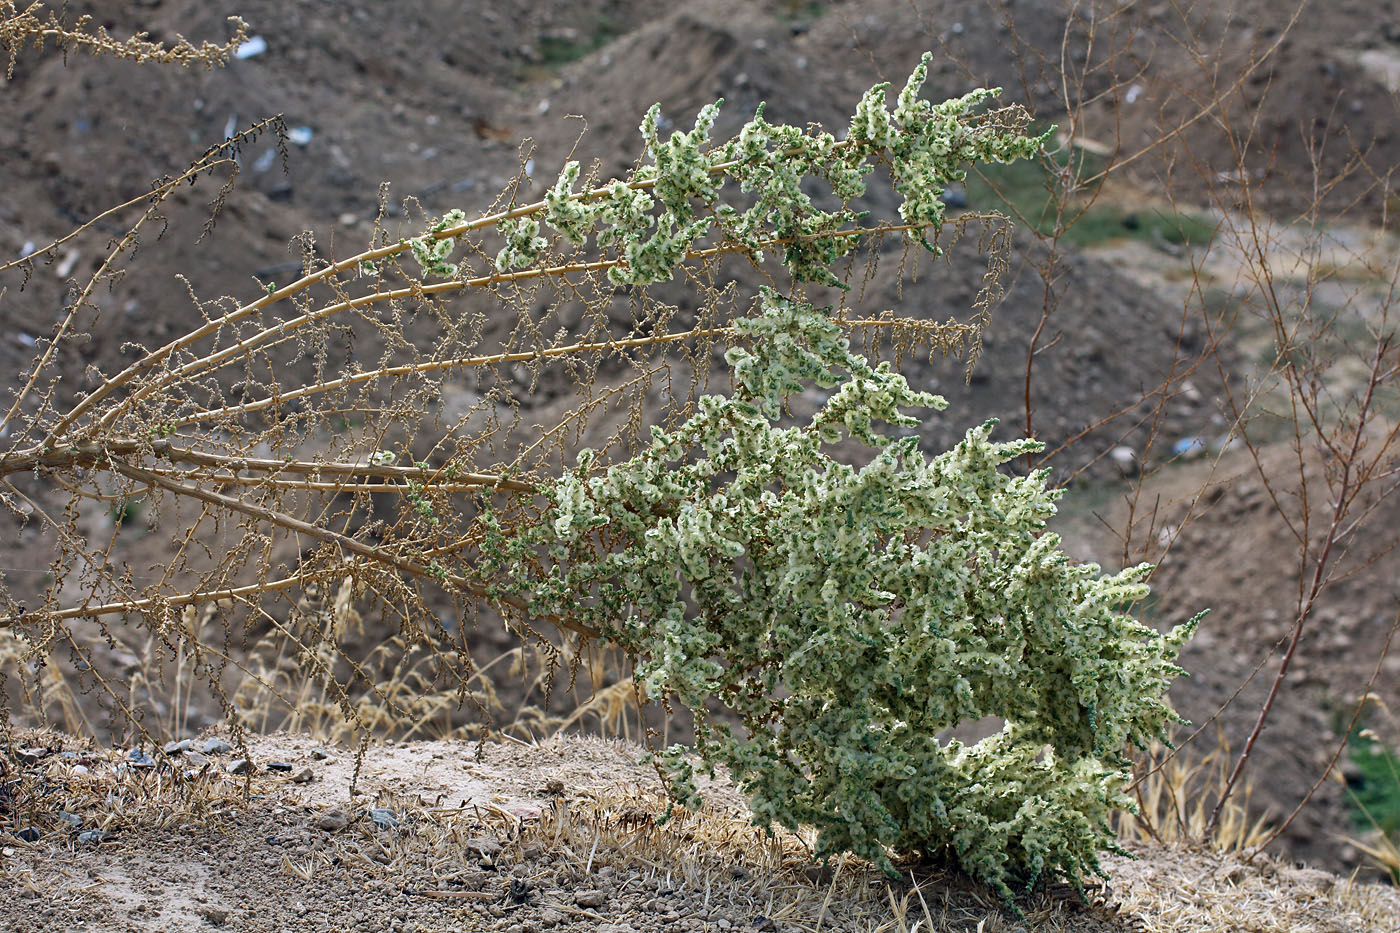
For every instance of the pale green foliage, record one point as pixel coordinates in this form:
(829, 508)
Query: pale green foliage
(432, 252)
(523, 243)
(845, 615)
(848, 615)
(654, 220)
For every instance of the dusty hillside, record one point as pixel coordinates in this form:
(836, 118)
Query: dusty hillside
(433, 99)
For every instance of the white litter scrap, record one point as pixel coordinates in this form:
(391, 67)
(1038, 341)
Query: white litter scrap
(65, 268)
(254, 46)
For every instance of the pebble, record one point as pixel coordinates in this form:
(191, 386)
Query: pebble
(93, 836)
(175, 748)
(241, 766)
(215, 915)
(139, 759)
(383, 817)
(282, 766)
(304, 776)
(1125, 458)
(195, 760)
(591, 898)
(320, 754)
(484, 846)
(333, 821)
(215, 747)
(72, 819)
(28, 834)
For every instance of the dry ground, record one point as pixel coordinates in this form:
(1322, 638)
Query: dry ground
(560, 835)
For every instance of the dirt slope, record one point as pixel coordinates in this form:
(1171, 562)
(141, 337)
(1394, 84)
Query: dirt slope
(561, 836)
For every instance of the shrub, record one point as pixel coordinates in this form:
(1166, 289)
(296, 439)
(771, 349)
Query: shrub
(847, 615)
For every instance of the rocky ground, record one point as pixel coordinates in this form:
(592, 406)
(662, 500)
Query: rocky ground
(563, 835)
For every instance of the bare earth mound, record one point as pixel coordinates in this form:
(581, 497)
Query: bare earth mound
(563, 835)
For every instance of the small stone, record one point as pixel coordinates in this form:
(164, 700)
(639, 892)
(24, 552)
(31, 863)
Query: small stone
(137, 758)
(591, 898)
(72, 819)
(215, 747)
(240, 766)
(1311, 877)
(92, 836)
(484, 846)
(282, 766)
(175, 748)
(383, 817)
(28, 834)
(28, 756)
(215, 915)
(320, 754)
(333, 821)
(195, 760)
(1125, 458)
(304, 776)
(1229, 874)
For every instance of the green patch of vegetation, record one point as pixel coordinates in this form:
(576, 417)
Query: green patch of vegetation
(800, 12)
(1374, 787)
(1031, 191)
(560, 48)
(124, 511)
